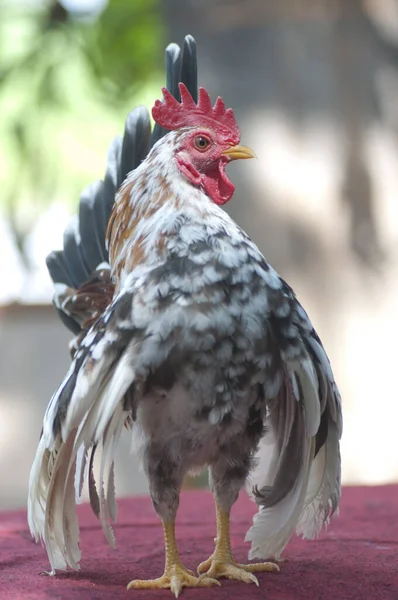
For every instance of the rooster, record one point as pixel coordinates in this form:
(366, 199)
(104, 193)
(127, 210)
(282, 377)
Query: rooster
(206, 353)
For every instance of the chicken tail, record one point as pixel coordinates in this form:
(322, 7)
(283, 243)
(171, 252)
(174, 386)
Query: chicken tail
(79, 268)
(87, 412)
(296, 481)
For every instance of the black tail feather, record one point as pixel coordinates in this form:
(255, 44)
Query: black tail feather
(84, 241)
(92, 241)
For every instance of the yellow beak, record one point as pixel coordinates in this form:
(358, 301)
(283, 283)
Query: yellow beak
(235, 152)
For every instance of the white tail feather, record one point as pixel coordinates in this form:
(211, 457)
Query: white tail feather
(323, 494)
(51, 503)
(316, 491)
(107, 498)
(81, 472)
(272, 527)
(309, 386)
(95, 413)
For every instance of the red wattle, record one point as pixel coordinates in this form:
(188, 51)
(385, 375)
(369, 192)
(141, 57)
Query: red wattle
(217, 185)
(214, 180)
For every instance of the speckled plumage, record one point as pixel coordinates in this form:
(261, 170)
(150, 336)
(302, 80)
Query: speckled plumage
(207, 354)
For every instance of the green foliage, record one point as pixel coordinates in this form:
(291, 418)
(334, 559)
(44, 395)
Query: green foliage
(67, 82)
(125, 46)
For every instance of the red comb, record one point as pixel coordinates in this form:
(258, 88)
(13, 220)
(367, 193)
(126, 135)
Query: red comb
(172, 114)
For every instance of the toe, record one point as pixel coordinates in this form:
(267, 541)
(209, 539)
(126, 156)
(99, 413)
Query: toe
(206, 581)
(144, 584)
(237, 573)
(242, 575)
(175, 579)
(261, 567)
(175, 585)
(230, 570)
(204, 566)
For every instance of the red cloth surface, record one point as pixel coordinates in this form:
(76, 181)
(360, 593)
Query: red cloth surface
(356, 558)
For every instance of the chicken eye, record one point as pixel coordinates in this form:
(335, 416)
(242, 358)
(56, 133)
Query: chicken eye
(201, 142)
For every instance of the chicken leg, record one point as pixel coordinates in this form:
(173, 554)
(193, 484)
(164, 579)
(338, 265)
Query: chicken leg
(222, 564)
(175, 575)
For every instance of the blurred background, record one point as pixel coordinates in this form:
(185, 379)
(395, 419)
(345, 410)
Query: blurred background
(314, 86)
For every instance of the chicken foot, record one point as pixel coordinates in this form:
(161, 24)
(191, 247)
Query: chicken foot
(222, 564)
(176, 575)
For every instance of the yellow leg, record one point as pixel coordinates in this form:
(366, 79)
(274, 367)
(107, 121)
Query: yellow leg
(222, 564)
(175, 575)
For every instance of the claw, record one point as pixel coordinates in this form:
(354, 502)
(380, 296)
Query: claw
(231, 570)
(174, 578)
